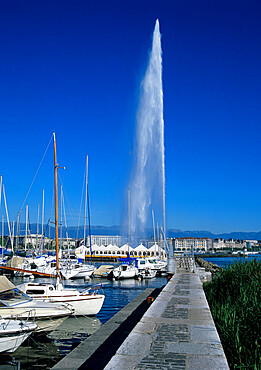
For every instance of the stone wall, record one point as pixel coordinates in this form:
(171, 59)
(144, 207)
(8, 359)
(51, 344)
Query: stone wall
(208, 266)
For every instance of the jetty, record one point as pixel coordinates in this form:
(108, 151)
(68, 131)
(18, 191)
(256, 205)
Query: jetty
(171, 328)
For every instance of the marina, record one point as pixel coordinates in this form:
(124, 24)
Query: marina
(176, 331)
(46, 351)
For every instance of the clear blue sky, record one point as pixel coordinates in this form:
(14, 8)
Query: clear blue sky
(75, 67)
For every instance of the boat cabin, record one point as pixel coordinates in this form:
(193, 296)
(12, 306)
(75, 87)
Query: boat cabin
(38, 289)
(10, 295)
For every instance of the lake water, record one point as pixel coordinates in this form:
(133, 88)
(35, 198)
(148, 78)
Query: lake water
(43, 353)
(225, 261)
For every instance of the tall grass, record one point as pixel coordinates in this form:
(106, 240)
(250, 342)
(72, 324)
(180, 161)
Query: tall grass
(234, 297)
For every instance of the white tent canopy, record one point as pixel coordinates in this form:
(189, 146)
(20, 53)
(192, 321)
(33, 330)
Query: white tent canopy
(126, 248)
(141, 248)
(112, 247)
(155, 248)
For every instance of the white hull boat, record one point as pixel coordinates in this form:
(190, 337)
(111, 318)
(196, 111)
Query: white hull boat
(86, 303)
(15, 303)
(151, 263)
(125, 271)
(13, 333)
(148, 273)
(77, 271)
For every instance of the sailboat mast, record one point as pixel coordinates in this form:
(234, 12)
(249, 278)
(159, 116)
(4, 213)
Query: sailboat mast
(88, 204)
(56, 205)
(2, 236)
(61, 219)
(38, 210)
(128, 219)
(153, 226)
(26, 227)
(43, 217)
(43, 213)
(85, 203)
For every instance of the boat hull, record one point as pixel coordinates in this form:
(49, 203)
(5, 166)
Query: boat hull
(46, 320)
(83, 305)
(13, 334)
(78, 273)
(130, 274)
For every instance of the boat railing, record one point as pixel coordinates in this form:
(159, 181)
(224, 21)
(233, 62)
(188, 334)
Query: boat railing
(30, 316)
(69, 307)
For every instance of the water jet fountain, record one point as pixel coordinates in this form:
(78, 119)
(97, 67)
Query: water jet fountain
(147, 184)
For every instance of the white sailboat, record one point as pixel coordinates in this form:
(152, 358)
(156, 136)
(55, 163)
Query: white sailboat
(13, 333)
(16, 304)
(75, 269)
(127, 269)
(88, 302)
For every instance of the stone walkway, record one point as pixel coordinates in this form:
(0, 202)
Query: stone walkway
(176, 332)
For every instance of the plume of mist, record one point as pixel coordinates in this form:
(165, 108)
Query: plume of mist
(147, 184)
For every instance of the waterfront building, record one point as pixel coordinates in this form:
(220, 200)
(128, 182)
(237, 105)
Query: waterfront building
(198, 244)
(231, 244)
(219, 244)
(252, 245)
(116, 251)
(105, 240)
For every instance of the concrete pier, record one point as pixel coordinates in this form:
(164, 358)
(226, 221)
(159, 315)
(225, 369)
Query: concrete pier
(176, 331)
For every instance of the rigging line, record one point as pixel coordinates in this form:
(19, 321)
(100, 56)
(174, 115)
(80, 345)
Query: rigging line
(36, 174)
(89, 217)
(43, 236)
(7, 216)
(65, 222)
(80, 211)
(67, 199)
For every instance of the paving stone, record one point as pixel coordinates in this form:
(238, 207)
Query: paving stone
(195, 348)
(144, 327)
(199, 362)
(135, 344)
(177, 313)
(156, 309)
(119, 362)
(204, 334)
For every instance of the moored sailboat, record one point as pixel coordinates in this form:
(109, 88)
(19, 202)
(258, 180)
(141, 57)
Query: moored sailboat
(13, 333)
(16, 304)
(88, 302)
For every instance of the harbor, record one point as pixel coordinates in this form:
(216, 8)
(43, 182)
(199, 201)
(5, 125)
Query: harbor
(123, 247)
(176, 331)
(45, 352)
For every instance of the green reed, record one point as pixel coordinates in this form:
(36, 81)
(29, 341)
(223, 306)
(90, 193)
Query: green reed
(234, 297)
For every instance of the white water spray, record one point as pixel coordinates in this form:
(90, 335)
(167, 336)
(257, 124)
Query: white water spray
(148, 181)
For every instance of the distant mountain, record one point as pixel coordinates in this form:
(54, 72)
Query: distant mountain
(174, 233)
(77, 232)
